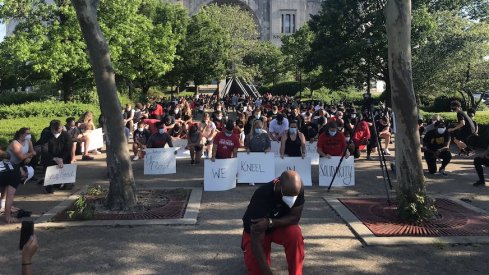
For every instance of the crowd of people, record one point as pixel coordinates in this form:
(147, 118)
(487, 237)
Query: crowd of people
(235, 122)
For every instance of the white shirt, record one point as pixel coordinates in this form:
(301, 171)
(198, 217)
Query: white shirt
(276, 128)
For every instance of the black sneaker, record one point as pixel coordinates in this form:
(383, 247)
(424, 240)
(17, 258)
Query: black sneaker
(86, 157)
(192, 162)
(479, 183)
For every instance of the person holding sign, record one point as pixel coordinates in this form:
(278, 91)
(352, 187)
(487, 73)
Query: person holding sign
(226, 143)
(273, 215)
(159, 139)
(293, 144)
(332, 142)
(257, 140)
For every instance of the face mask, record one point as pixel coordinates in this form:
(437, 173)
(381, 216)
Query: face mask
(57, 135)
(289, 200)
(347, 139)
(293, 131)
(258, 130)
(228, 133)
(332, 133)
(176, 110)
(353, 116)
(161, 131)
(28, 137)
(219, 117)
(257, 116)
(441, 130)
(141, 129)
(128, 109)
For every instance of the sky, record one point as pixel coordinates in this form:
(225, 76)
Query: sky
(2, 31)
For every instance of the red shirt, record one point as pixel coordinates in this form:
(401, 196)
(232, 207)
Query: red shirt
(151, 123)
(362, 133)
(158, 111)
(334, 146)
(225, 145)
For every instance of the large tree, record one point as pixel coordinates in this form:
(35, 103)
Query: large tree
(122, 192)
(413, 203)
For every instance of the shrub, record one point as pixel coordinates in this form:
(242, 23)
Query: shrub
(82, 209)
(46, 109)
(9, 98)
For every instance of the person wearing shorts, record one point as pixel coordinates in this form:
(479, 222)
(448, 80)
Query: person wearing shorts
(464, 129)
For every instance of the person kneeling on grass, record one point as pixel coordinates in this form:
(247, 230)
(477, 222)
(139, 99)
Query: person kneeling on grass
(478, 162)
(273, 216)
(436, 143)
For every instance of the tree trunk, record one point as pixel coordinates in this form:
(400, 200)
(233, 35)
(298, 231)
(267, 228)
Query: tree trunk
(414, 206)
(122, 192)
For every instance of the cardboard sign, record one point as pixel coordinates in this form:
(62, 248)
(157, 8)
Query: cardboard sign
(345, 176)
(300, 165)
(256, 167)
(220, 175)
(160, 161)
(182, 153)
(312, 152)
(275, 148)
(55, 175)
(96, 140)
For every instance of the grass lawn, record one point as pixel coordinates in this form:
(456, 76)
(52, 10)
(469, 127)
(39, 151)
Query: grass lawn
(8, 127)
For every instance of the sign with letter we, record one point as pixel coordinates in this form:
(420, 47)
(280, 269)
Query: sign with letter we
(220, 175)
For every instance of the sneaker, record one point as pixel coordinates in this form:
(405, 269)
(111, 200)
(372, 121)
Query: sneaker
(135, 158)
(479, 183)
(96, 152)
(469, 152)
(387, 152)
(369, 158)
(442, 172)
(252, 184)
(87, 157)
(192, 162)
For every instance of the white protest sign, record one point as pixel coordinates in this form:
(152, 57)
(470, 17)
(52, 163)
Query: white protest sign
(312, 152)
(181, 152)
(345, 176)
(96, 140)
(55, 175)
(300, 165)
(220, 175)
(160, 161)
(275, 148)
(255, 167)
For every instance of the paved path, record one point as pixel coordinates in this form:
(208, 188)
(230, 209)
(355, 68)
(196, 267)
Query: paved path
(213, 245)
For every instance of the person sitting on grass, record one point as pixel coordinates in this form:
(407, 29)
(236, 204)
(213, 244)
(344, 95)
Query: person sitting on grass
(141, 137)
(78, 137)
(273, 215)
(478, 162)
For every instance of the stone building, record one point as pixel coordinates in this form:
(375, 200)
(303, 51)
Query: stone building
(275, 18)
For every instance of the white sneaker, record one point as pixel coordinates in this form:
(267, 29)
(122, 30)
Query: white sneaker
(96, 152)
(387, 152)
(252, 184)
(135, 158)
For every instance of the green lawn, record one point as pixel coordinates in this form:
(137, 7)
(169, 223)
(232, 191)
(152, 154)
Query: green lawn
(8, 127)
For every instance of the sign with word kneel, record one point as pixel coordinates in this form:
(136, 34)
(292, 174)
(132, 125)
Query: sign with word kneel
(256, 167)
(56, 175)
(220, 175)
(160, 161)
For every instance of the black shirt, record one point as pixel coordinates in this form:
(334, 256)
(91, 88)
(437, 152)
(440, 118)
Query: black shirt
(469, 126)
(434, 141)
(266, 204)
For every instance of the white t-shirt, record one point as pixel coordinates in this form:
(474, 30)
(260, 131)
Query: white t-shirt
(276, 128)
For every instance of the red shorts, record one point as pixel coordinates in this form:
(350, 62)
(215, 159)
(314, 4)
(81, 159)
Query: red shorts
(289, 237)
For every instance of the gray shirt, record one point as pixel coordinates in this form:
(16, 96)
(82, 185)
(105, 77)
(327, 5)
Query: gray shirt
(258, 142)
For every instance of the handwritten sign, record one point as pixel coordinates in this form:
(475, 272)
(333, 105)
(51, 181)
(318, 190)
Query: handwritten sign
(55, 175)
(96, 140)
(300, 165)
(345, 176)
(220, 175)
(275, 148)
(255, 167)
(160, 161)
(312, 152)
(182, 153)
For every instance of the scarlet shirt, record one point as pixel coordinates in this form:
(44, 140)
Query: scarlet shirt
(332, 145)
(225, 145)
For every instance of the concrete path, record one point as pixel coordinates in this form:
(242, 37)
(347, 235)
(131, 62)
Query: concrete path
(213, 245)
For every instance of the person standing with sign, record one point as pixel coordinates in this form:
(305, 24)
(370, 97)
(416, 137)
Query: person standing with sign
(159, 139)
(293, 144)
(226, 143)
(273, 215)
(332, 142)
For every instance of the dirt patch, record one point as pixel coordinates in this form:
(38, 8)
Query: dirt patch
(152, 204)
